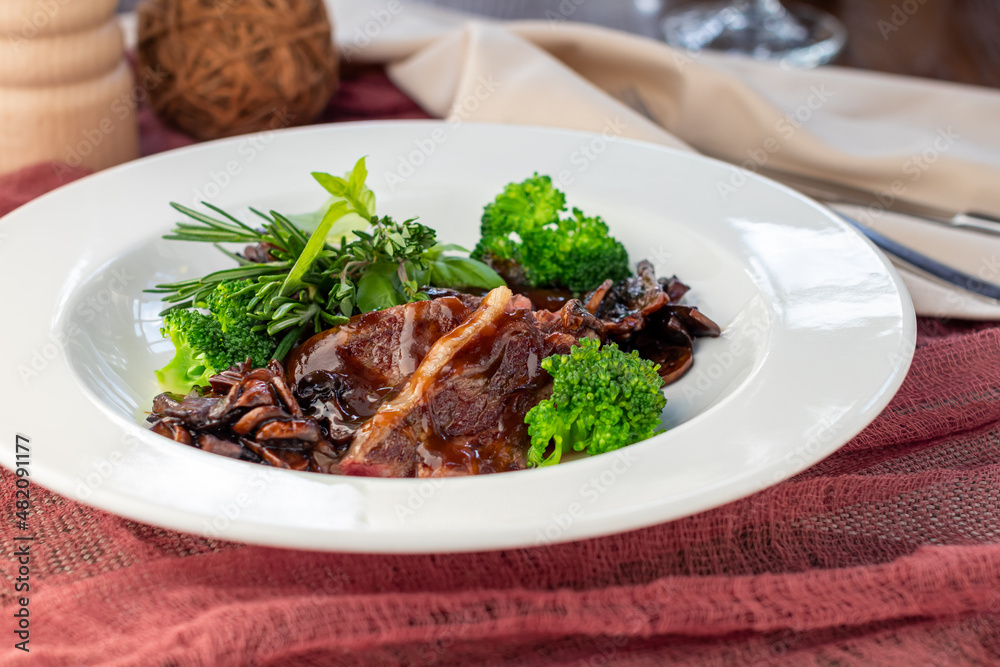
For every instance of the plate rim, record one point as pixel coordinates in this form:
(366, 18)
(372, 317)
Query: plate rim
(514, 536)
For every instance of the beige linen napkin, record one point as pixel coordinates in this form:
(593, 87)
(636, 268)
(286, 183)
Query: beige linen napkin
(927, 141)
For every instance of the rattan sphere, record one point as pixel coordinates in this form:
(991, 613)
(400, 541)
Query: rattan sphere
(228, 67)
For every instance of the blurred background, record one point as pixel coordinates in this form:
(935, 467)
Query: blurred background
(956, 40)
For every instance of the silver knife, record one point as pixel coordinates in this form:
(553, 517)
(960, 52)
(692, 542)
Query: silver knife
(838, 193)
(924, 265)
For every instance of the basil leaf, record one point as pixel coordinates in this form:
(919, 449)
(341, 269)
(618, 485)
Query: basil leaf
(361, 198)
(335, 186)
(366, 202)
(439, 249)
(316, 243)
(358, 176)
(379, 287)
(342, 230)
(308, 222)
(352, 189)
(457, 272)
(421, 276)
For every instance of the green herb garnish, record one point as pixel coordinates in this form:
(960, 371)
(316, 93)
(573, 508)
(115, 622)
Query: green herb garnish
(320, 279)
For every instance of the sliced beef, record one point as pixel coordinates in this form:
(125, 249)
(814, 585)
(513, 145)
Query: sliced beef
(342, 375)
(462, 412)
(471, 301)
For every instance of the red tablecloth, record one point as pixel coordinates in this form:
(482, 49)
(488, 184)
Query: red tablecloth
(886, 553)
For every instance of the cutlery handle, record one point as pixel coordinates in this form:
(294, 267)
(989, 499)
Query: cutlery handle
(837, 193)
(924, 264)
(982, 222)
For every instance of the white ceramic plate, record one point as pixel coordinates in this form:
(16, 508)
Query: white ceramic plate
(818, 336)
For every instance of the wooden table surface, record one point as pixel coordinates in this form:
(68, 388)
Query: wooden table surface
(954, 40)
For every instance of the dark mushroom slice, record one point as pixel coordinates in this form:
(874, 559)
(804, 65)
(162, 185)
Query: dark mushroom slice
(638, 294)
(194, 411)
(289, 434)
(166, 400)
(695, 322)
(623, 306)
(171, 428)
(258, 420)
(665, 341)
(285, 394)
(290, 460)
(223, 382)
(674, 288)
(595, 298)
(674, 363)
(255, 418)
(216, 445)
(254, 393)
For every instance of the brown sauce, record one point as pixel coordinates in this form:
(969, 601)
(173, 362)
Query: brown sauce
(545, 298)
(476, 420)
(341, 376)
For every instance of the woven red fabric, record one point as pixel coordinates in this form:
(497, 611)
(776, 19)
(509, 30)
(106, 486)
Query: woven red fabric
(25, 184)
(886, 553)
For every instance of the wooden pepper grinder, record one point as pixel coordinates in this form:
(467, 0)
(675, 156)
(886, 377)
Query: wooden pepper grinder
(66, 90)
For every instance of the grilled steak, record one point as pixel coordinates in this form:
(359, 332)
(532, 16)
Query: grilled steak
(342, 375)
(462, 411)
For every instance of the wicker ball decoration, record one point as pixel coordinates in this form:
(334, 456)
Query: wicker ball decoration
(231, 67)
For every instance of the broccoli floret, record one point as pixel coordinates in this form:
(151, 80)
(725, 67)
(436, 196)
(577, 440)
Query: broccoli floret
(523, 226)
(602, 399)
(578, 254)
(520, 209)
(207, 344)
(198, 340)
(231, 309)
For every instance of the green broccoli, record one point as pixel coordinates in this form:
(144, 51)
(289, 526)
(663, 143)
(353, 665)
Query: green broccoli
(519, 209)
(207, 344)
(196, 338)
(523, 226)
(602, 399)
(578, 254)
(244, 337)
